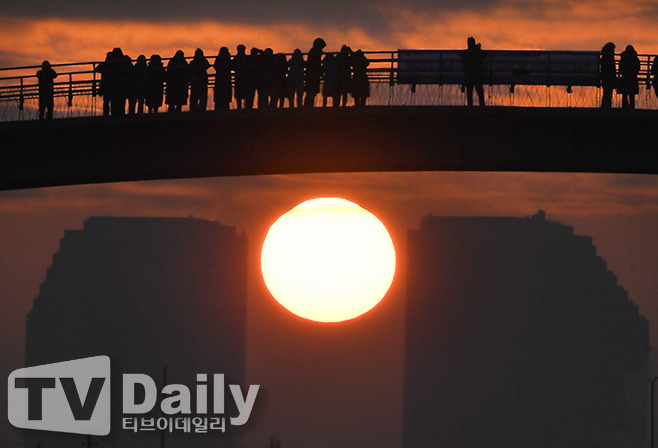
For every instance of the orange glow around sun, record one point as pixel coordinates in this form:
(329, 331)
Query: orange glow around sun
(328, 260)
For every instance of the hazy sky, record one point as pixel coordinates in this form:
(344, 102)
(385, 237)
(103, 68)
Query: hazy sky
(619, 211)
(74, 30)
(327, 386)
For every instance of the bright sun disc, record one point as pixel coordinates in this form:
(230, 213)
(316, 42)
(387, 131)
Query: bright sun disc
(328, 260)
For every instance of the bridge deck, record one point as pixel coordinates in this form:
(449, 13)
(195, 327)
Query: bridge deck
(165, 146)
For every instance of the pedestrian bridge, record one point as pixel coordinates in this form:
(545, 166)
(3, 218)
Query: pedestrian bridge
(324, 140)
(553, 79)
(415, 121)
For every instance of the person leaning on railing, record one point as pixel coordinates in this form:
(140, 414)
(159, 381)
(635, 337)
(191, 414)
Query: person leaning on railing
(46, 78)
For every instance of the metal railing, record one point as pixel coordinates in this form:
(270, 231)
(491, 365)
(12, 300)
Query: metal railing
(76, 90)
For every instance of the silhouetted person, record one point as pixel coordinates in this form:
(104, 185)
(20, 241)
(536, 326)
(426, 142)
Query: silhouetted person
(222, 91)
(177, 82)
(105, 84)
(360, 82)
(239, 67)
(653, 75)
(199, 81)
(119, 71)
(251, 69)
(280, 87)
(313, 72)
(264, 77)
(271, 78)
(296, 79)
(139, 84)
(343, 76)
(155, 79)
(473, 60)
(129, 83)
(329, 79)
(629, 68)
(608, 74)
(46, 77)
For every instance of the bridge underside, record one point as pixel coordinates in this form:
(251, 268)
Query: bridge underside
(235, 143)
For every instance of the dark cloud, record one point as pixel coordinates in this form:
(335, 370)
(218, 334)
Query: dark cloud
(367, 14)
(246, 11)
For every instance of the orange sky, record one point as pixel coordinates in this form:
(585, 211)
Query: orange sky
(547, 24)
(619, 211)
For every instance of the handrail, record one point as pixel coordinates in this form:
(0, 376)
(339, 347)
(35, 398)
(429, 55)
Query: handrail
(78, 79)
(645, 64)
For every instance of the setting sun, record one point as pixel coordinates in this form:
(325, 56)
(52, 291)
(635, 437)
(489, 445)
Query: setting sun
(328, 260)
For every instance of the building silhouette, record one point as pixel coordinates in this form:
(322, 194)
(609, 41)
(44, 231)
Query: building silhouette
(517, 335)
(149, 293)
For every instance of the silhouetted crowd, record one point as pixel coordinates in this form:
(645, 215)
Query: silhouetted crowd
(265, 79)
(623, 77)
(261, 79)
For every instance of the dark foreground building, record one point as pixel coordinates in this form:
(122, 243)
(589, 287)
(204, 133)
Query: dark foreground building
(517, 335)
(149, 293)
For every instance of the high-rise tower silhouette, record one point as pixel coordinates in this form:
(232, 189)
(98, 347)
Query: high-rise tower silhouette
(518, 335)
(149, 293)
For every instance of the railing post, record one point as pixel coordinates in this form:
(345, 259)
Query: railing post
(93, 89)
(70, 101)
(93, 82)
(21, 97)
(548, 70)
(391, 79)
(649, 81)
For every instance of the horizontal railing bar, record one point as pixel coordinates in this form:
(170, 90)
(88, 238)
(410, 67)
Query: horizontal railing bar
(79, 80)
